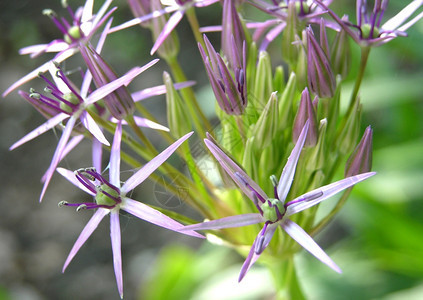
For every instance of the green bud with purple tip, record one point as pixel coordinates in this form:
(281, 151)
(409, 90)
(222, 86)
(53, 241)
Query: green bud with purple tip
(177, 118)
(360, 160)
(320, 77)
(305, 112)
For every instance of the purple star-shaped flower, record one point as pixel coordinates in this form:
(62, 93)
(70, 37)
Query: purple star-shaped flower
(83, 26)
(369, 30)
(110, 197)
(67, 103)
(177, 7)
(275, 212)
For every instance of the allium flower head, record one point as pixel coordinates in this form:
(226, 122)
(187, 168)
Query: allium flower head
(110, 197)
(275, 211)
(178, 7)
(79, 30)
(369, 30)
(66, 103)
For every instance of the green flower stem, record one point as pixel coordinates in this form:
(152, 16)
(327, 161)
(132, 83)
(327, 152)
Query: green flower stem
(195, 27)
(285, 279)
(333, 212)
(365, 51)
(199, 120)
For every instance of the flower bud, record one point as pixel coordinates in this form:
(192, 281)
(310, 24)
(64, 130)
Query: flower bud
(266, 127)
(229, 86)
(316, 159)
(263, 81)
(305, 112)
(291, 35)
(341, 54)
(349, 133)
(319, 73)
(119, 103)
(177, 118)
(232, 29)
(360, 160)
(285, 102)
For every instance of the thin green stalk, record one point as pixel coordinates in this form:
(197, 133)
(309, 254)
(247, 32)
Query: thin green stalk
(285, 278)
(195, 27)
(200, 121)
(333, 212)
(365, 51)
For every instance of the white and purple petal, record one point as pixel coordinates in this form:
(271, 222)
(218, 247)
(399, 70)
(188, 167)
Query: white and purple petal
(155, 217)
(228, 222)
(116, 249)
(114, 170)
(85, 234)
(288, 172)
(320, 194)
(152, 165)
(58, 154)
(70, 176)
(232, 168)
(307, 242)
(40, 130)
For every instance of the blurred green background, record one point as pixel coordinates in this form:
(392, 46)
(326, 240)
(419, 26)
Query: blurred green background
(377, 239)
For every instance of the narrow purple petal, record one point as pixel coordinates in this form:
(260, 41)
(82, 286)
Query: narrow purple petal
(253, 255)
(142, 122)
(231, 168)
(87, 11)
(40, 130)
(57, 154)
(43, 68)
(92, 127)
(142, 19)
(101, 12)
(249, 261)
(68, 148)
(174, 19)
(85, 234)
(103, 36)
(309, 199)
(116, 248)
(158, 90)
(69, 175)
(307, 242)
(271, 35)
(228, 222)
(402, 16)
(106, 89)
(115, 157)
(153, 216)
(97, 155)
(152, 165)
(205, 3)
(411, 22)
(288, 172)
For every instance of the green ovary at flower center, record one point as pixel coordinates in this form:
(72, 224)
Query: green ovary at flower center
(269, 209)
(73, 33)
(103, 199)
(366, 30)
(71, 98)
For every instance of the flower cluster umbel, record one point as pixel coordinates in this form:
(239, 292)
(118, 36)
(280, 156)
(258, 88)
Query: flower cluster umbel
(267, 106)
